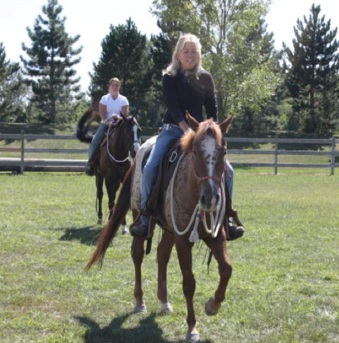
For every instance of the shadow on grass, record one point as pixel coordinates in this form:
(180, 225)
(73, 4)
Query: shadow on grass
(87, 235)
(147, 332)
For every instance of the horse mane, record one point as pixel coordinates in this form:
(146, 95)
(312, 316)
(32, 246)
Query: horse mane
(206, 127)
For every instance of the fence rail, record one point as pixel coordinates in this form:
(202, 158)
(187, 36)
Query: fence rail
(23, 163)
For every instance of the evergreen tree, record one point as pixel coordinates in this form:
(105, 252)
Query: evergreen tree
(11, 90)
(125, 54)
(49, 69)
(312, 78)
(161, 54)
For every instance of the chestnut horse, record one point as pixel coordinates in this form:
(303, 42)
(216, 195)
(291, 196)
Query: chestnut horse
(115, 156)
(193, 209)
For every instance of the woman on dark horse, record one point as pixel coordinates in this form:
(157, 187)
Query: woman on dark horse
(111, 106)
(187, 87)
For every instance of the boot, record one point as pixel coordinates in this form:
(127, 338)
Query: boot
(89, 168)
(233, 232)
(92, 163)
(140, 230)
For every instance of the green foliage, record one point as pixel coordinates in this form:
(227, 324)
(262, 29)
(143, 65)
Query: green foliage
(124, 55)
(49, 69)
(284, 286)
(312, 80)
(160, 50)
(12, 91)
(237, 49)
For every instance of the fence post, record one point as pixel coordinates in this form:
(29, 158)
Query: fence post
(22, 152)
(333, 155)
(276, 155)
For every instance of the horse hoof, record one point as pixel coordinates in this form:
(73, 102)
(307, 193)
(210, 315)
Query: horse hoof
(140, 309)
(210, 308)
(166, 308)
(124, 230)
(99, 222)
(192, 337)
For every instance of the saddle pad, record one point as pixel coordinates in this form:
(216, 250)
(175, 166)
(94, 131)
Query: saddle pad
(164, 176)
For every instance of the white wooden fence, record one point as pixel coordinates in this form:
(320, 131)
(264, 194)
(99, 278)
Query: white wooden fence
(21, 163)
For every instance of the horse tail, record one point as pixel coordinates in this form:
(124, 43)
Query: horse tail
(107, 234)
(83, 127)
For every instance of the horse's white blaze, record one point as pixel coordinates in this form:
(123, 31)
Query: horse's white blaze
(135, 138)
(209, 151)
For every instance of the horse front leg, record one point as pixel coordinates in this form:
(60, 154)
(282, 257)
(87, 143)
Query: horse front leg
(138, 252)
(99, 180)
(184, 251)
(163, 255)
(219, 251)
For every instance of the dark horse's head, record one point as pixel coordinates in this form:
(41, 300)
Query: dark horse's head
(129, 131)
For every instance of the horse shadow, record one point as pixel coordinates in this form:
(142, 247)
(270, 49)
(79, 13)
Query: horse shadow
(87, 235)
(147, 332)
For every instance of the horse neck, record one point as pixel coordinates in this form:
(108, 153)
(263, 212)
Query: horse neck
(117, 142)
(186, 187)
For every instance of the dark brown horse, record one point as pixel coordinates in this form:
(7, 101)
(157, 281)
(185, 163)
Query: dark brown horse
(115, 155)
(193, 209)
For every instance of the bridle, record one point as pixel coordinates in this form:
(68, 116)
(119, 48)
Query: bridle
(135, 141)
(216, 218)
(203, 178)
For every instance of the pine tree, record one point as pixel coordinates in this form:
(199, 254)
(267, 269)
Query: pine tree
(125, 55)
(312, 80)
(49, 69)
(11, 89)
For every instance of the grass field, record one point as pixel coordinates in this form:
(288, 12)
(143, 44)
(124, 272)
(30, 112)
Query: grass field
(284, 287)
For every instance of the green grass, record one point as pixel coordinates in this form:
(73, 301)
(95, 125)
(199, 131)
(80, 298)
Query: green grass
(284, 287)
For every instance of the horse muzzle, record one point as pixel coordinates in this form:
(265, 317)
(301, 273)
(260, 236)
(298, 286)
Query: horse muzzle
(209, 200)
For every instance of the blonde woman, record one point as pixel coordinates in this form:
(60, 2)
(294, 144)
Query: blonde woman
(186, 87)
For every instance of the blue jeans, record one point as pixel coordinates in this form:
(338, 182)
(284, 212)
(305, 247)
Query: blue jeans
(151, 168)
(97, 139)
(160, 148)
(229, 178)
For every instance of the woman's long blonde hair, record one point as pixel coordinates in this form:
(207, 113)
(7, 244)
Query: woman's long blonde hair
(174, 66)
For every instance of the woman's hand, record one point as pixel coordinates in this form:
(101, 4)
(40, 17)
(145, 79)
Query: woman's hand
(183, 126)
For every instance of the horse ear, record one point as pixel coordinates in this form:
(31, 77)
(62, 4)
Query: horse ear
(192, 122)
(224, 125)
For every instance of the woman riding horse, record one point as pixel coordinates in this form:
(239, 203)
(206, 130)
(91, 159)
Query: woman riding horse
(187, 87)
(193, 208)
(111, 107)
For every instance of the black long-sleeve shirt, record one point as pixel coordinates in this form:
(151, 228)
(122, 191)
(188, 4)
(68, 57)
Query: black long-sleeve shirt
(189, 93)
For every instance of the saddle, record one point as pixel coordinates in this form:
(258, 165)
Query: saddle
(166, 170)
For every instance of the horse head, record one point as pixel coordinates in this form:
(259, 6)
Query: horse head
(205, 145)
(130, 134)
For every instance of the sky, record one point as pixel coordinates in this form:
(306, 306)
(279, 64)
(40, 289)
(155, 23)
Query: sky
(92, 19)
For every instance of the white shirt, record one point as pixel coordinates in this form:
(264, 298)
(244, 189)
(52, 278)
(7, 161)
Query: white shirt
(113, 106)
